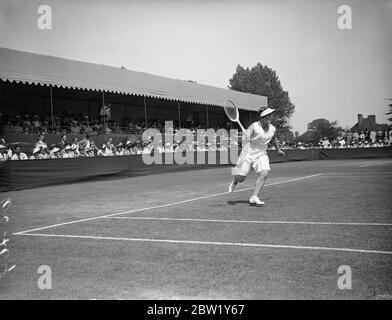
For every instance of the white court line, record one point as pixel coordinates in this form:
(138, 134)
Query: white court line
(256, 221)
(238, 244)
(160, 206)
(358, 173)
(371, 164)
(360, 176)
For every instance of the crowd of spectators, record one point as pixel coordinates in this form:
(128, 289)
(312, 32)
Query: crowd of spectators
(64, 122)
(348, 139)
(86, 147)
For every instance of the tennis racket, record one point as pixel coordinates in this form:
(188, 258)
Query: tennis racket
(232, 113)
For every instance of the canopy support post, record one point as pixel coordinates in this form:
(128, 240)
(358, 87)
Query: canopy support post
(103, 108)
(179, 115)
(207, 120)
(51, 106)
(145, 112)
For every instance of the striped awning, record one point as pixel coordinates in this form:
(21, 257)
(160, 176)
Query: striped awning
(24, 67)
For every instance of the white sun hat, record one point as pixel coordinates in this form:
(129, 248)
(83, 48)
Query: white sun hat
(264, 112)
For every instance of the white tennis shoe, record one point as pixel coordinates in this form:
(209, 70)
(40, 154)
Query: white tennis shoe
(255, 201)
(232, 186)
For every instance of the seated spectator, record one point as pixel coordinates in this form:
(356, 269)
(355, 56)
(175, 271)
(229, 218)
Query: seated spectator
(342, 143)
(120, 150)
(127, 148)
(326, 143)
(355, 136)
(94, 147)
(75, 147)
(3, 152)
(36, 123)
(379, 135)
(362, 137)
(110, 145)
(45, 153)
(18, 154)
(85, 142)
(104, 151)
(320, 143)
(55, 152)
(68, 152)
(88, 152)
(41, 142)
(349, 137)
(372, 136)
(26, 123)
(75, 128)
(63, 142)
(34, 154)
(75, 151)
(17, 128)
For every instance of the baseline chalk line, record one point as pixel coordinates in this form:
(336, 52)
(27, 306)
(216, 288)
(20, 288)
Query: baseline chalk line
(159, 206)
(237, 244)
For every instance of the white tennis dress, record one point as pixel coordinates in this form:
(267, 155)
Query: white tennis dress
(254, 151)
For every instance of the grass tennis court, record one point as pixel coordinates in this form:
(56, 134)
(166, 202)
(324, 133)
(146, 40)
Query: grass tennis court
(180, 235)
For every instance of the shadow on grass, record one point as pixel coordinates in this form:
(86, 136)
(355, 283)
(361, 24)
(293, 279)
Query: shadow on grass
(235, 202)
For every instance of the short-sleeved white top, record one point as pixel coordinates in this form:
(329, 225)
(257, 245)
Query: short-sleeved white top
(259, 139)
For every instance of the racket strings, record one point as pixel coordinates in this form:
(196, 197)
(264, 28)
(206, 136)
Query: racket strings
(231, 112)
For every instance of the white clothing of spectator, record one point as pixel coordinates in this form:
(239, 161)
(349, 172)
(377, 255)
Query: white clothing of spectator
(35, 154)
(41, 142)
(120, 150)
(75, 148)
(36, 123)
(88, 152)
(3, 153)
(373, 135)
(342, 143)
(110, 145)
(326, 143)
(19, 155)
(68, 153)
(104, 152)
(55, 153)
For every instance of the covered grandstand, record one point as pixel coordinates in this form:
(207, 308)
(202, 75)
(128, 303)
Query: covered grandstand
(45, 85)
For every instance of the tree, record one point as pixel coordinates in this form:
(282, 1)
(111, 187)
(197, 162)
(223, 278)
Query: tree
(321, 128)
(390, 110)
(262, 80)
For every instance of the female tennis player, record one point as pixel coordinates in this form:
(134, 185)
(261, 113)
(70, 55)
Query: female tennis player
(254, 154)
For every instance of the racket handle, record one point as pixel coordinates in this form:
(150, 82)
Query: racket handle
(242, 128)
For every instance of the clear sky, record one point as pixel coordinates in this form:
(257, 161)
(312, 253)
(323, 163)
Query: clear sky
(329, 73)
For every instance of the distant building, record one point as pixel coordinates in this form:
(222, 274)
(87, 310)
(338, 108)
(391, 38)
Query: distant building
(368, 123)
